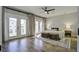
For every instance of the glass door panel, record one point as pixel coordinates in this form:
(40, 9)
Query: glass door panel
(23, 26)
(41, 26)
(36, 27)
(12, 27)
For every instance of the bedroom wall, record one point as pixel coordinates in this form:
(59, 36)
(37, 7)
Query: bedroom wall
(61, 20)
(0, 26)
(78, 35)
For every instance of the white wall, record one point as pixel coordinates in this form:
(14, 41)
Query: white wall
(78, 35)
(0, 25)
(61, 20)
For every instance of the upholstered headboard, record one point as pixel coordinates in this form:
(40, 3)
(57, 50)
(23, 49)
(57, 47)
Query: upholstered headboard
(55, 28)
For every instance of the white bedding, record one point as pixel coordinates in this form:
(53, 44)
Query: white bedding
(61, 33)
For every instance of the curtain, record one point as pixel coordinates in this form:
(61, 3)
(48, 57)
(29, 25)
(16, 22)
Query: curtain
(0, 25)
(31, 26)
(44, 21)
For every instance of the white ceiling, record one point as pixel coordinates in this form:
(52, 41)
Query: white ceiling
(38, 11)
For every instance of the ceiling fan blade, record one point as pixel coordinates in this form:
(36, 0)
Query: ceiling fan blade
(43, 8)
(51, 9)
(46, 8)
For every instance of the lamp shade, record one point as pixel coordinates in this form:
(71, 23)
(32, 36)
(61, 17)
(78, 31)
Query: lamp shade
(68, 26)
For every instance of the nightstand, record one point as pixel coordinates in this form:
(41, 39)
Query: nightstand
(0, 47)
(68, 33)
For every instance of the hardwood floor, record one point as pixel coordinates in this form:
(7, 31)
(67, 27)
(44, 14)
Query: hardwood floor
(32, 45)
(74, 44)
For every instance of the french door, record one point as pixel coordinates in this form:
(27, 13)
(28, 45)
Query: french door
(15, 26)
(23, 26)
(12, 27)
(38, 27)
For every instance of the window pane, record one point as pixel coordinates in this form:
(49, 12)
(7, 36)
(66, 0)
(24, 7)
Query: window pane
(12, 26)
(36, 26)
(41, 25)
(23, 26)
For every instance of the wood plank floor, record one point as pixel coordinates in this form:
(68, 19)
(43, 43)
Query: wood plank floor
(32, 45)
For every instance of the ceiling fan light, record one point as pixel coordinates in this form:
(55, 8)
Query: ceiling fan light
(46, 12)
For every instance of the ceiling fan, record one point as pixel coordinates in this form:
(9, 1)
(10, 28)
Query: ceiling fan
(46, 10)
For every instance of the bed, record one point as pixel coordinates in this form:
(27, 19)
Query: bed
(56, 37)
(53, 34)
